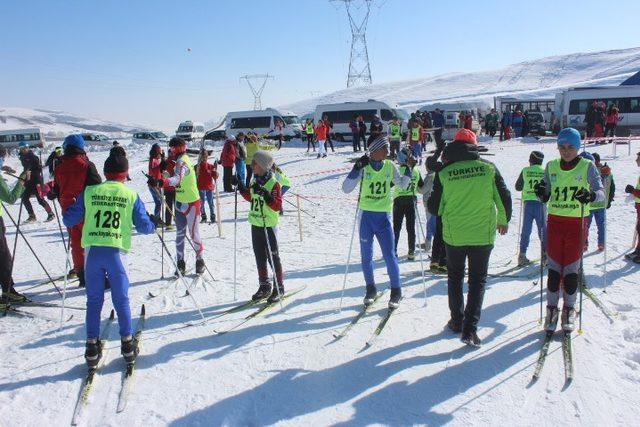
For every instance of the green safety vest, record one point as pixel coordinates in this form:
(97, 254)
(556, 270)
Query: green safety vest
(108, 215)
(532, 176)
(411, 189)
(564, 185)
(375, 188)
(309, 128)
(637, 199)
(470, 205)
(394, 129)
(187, 190)
(606, 181)
(415, 134)
(259, 207)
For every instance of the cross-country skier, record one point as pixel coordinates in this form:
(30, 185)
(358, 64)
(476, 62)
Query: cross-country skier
(73, 174)
(473, 201)
(309, 131)
(597, 209)
(265, 196)
(109, 210)
(156, 162)
(187, 204)
(414, 139)
(228, 158)
(321, 131)
(532, 208)
(404, 202)
(376, 174)
(31, 162)
(635, 192)
(570, 183)
(438, 249)
(207, 175)
(430, 220)
(395, 135)
(9, 294)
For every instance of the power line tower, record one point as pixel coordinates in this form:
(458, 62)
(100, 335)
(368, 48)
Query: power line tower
(359, 69)
(257, 89)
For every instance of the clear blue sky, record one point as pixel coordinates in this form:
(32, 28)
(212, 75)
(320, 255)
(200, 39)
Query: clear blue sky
(128, 60)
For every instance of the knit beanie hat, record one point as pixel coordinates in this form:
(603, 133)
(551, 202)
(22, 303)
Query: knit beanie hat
(536, 158)
(116, 167)
(378, 143)
(569, 136)
(465, 135)
(75, 140)
(264, 159)
(596, 157)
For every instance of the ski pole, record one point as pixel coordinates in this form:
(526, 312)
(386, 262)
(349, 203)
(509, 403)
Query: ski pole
(31, 249)
(519, 227)
(15, 240)
(540, 234)
(353, 232)
(164, 224)
(424, 236)
(218, 217)
(235, 242)
(581, 268)
(67, 266)
(299, 216)
(270, 253)
(306, 199)
(299, 208)
(55, 209)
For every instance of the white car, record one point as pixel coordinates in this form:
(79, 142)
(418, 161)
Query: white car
(263, 122)
(151, 137)
(190, 131)
(96, 139)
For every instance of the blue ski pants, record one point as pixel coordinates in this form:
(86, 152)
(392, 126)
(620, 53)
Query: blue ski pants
(378, 224)
(599, 214)
(533, 211)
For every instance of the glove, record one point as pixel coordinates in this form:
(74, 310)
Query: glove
(234, 180)
(151, 182)
(153, 219)
(629, 189)
(584, 196)
(541, 190)
(433, 164)
(262, 192)
(52, 194)
(361, 162)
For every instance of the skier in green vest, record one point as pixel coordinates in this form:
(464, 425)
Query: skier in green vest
(473, 201)
(376, 174)
(598, 210)
(532, 208)
(109, 211)
(395, 135)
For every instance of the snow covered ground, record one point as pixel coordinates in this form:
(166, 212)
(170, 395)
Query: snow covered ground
(282, 368)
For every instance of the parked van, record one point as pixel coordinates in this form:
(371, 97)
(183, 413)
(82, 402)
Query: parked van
(263, 122)
(150, 137)
(12, 138)
(571, 106)
(342, 114)
(190, 131)
(96, 139)
(452, 123)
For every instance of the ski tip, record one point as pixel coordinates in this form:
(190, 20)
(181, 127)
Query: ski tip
(142, 310)
(112, 315)
(580, 331)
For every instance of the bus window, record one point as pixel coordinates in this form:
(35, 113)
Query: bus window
(634, 105)
(386, 115)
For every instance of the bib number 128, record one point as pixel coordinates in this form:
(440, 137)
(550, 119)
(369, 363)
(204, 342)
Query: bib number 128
(107, 219)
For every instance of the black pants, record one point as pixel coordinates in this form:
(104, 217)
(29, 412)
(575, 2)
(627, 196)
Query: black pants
(356, 142)
(5, 260)
(249, 175)
(365, 144)
(310, 142)
(438, 251)
(395, 148)
(491, 131)
(590, 129)
(437, 134)
(610, 129)
(261, 252)
(404, 207)
(328, 142)
(170, 200)
(478, 265)
(31, 190)
(226, 179)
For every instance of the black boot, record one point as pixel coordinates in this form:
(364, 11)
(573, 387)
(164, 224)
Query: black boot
(470, 337)
(181, 268)
(93, 353)
(203, 219)
(50, 217)
(200, 266)
(13, 296)
(129, 349)
(264, 290)
(213, 218)
(370, 296)
(394, 300)
(277, 294)
(80, 275)
(456, 327)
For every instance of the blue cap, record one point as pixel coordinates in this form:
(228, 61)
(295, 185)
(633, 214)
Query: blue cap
(588, 156)
(23, 144)
(74, 140)
(403, 155)
(569, 136)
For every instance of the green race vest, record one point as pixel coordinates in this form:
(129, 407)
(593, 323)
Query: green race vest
(309, 128)
(187, 190)
(108, 215)
(411, 189)
(394, 129)
(531, 175)
(259, 207)
(564, 185)
(606, 181)
(468, 203)
(637, 199)
(375, 188)
(415, 134)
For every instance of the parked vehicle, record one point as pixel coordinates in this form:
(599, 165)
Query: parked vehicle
(96, 139)
(12, 138)
(537, 123)
(150, 137)
(263, 122)
(190, 131)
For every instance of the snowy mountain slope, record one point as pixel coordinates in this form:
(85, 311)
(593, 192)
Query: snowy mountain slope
(539, 78)
(282, 368)
(57, 124)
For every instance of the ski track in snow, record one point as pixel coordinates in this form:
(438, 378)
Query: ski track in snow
(282, 368)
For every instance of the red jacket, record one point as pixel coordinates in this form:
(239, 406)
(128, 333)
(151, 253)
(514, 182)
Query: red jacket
(321, 131)
(229, 154)
(612, 118)
(72, 175)
(207, 175)
(155, 169)
(170, 167)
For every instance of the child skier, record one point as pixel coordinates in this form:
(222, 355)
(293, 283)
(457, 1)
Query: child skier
(156, 161)
(533, 209)
(265, 196)
(321, 136)
(570, 183)
(207, 175)
(109, 211)
(404, 203)
(597, 210)
(438, 250)
(309, 130)
(395, 135)
(414, 137)
(430, 220)
(635, 192)
(375, 175)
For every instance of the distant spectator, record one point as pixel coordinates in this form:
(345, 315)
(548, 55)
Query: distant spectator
(611, 121)
(491, 123)
(355, 133)
(590, 118)
(362, 131)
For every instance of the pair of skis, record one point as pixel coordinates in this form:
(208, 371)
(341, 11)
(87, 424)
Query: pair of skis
(92, 374)
(11, 309)
(361, 314)
(567, 355)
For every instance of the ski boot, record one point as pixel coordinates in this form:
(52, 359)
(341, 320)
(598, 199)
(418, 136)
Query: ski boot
(12, 296)
(213, 218)
(632, 255)
(370, 296)
(50, 217)
(600, 248)
(200, 266)
(471, 338)
(568, 319)
(81, 283)
(455, 326)
(636, 259)
(169, 227)
(394, 300)
(276, 295)
(181, 268)
(72, 274)
(203, 219)
(264, 291)
(434, 267)
(551, 320)
(30, 219)
(129, 349)
(523, 260)
(93, 353)
(442, 268)
(411, 256)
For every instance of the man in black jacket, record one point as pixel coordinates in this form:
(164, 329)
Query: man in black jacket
(31, 162)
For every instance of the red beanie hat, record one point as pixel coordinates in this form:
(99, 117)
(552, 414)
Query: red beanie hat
(465, 135)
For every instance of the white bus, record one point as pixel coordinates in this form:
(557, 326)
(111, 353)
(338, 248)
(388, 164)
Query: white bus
(263, 122)
(572, 104)
(190, 131)
(12, 138)
(546, 106)
(342, 114)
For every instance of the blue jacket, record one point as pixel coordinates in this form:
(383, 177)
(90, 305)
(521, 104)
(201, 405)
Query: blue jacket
(506, 118)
